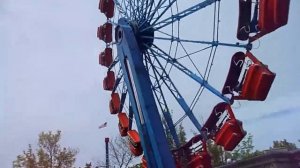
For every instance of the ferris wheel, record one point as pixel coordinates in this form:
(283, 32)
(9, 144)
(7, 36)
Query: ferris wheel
(155, 54)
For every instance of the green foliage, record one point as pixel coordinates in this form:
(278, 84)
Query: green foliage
(257, 153)
(137, 166)
(48, 155)
(218, 154)
(245, 149)
(283, 144)
(168, 134)
(181, 135)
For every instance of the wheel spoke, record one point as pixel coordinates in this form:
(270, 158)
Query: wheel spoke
(120, 8)
(116, 60)
(164, 11)
(174, 91)
(213, 43)
(158, 6)
(123, 97)
(163, 104)
(181, 15)
(189, 73)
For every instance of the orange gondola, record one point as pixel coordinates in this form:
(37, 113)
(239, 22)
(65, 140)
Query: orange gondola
(123, 124)
(200, 160)
(105, 57)
(109, 81)
(244, 19)
(255, 83)
(114, 104)
(134, 143)
(230, 134)
(235, 69)
(258, 81)
(272, 14)
(184, 157)
(105, 32)
(107, 7)
(223, 127)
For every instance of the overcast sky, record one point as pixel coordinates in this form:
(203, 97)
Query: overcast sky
(50, 79)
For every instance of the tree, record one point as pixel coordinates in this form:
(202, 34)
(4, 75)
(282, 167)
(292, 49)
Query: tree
(169, 137)
(139, 165)
(179, 131)
(48, 155)
(119, 153)
(218, 154)
(181, 135)
(283, 144)
(89, 165)
(245, 149)
(27, 160)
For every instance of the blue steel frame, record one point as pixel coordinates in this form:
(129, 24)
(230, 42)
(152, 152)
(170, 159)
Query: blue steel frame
(145, 111)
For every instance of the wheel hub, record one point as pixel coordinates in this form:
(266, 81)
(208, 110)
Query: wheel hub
(144, 35)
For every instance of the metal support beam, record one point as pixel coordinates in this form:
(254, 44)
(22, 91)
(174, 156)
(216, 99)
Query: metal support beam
(174, 91)
(164, 107)
(181, 15)
(107, 152)
(212, 43)
(145, 111)
(195, 77)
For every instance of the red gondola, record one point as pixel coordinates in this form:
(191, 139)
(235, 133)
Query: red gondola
(105, 32)
(244, 19)
(134, 143)
(230, 135)
(123, 124)
(184, 157)
(256, 82)
(200, 160)
(281, 12)
(105, 57)
(273, 14)
(109, 81)
(114, 104)
(107, 7)
(223, 127)
(232, 80)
